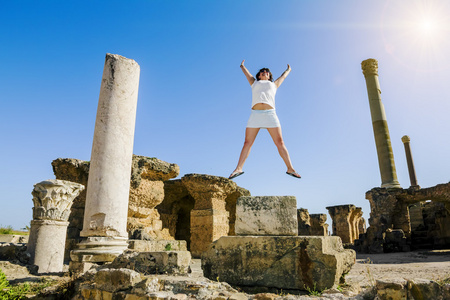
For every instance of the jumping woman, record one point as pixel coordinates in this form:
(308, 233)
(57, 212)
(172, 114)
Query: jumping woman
(263, 115)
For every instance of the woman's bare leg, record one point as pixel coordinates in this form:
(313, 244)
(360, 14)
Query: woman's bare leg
(277, 137)
(250, 136)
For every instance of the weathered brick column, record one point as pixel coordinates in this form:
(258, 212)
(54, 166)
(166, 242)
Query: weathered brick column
(209, 217)
(52, 202)
(380, 126)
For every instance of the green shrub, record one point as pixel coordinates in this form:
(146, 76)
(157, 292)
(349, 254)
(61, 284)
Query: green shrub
(6, 230)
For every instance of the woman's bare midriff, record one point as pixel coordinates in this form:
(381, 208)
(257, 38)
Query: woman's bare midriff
(261, 106)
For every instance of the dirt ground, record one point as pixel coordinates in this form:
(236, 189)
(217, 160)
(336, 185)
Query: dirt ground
(432, 265)
(423, 264)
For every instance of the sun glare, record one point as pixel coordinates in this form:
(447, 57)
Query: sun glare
(416, 33)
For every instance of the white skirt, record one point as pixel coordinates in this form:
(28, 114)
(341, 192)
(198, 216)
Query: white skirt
(263, 119)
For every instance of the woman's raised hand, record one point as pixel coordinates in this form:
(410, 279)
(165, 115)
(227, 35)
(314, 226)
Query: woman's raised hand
(288, 68)
(242, 63)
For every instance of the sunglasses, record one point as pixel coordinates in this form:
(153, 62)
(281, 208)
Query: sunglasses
(264, 71)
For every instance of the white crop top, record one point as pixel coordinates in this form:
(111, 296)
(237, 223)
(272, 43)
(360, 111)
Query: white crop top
(263, 91)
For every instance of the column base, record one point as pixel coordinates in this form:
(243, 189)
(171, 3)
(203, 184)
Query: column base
(391, 185)
(98, 249)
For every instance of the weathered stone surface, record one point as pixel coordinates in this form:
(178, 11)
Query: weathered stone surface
(53, 199)
(346, 221)
(278, 262)
(112, 280)
(391, 289)
(152, 169)
(199, 209)
(52, 202)
(208, 191)
(157, 245)
(390, 209)
(146, 191)
(425, 289)
(304, 222)
(266, 215)
(318, 225)
(159, 262)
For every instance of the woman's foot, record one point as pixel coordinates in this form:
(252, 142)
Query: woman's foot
(236, 174)
(294, 174)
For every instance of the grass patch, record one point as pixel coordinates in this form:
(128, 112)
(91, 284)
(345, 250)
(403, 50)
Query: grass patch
(20, 291)
(10, 230)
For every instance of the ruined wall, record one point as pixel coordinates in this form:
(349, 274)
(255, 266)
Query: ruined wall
(146, 191)
(346, 221)
(390, 209)
(200, 208)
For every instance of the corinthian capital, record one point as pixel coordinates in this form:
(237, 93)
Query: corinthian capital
(369, 66)
(405, 139)
(53, 199)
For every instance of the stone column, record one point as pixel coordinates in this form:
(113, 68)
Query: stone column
(409, 160)
(52, 202)
(340, 215)
(209, 217)
(105, 217)
(380, 127)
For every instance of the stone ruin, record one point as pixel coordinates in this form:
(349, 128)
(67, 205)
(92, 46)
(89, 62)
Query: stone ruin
(267, 251)
(400, 219)
(311, 224)
(348, 222)
(405, 219)
(196, 208)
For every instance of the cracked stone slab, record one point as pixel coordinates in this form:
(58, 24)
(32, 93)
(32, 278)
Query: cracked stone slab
(266, 215)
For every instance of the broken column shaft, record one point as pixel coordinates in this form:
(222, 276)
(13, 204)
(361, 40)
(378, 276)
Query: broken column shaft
(105, 217)
(409, 160)
(380, 127)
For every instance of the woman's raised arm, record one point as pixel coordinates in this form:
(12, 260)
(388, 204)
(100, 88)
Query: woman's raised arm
(283, 76)
(247, 74)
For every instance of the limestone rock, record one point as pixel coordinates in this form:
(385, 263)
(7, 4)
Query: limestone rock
(391, 289)
(157, 245)
(266, 215)
(304, 222)
(152, 169)
(159, 262)
(199, 209)
(208, 191)
(112, 280)
(284, 262)
(318, 225)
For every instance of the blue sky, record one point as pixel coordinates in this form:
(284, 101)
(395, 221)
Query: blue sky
(194, 100)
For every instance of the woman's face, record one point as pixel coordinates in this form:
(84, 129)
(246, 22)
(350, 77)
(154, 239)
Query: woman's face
(264, 75)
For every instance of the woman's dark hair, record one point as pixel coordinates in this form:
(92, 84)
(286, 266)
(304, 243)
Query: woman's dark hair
(264, 69)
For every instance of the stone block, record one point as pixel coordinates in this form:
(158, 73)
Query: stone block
(161, 245)
(391, 289)
(425, 289)
(282, 262)
(266, 215)
(112, 280)
(159, 262)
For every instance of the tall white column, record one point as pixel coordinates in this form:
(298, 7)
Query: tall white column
(105, 217)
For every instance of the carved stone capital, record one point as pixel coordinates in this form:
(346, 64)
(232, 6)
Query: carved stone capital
(369, 67)
(53, 199)
(406, 139)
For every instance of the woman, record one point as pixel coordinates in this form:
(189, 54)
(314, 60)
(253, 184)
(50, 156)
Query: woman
(263, 115)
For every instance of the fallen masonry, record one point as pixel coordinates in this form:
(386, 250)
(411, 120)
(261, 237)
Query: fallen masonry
(275, 257)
